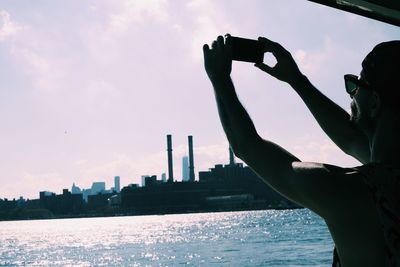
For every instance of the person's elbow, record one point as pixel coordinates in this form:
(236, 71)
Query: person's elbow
(245, 148)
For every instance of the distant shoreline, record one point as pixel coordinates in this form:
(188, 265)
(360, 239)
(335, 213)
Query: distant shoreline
(132, 213)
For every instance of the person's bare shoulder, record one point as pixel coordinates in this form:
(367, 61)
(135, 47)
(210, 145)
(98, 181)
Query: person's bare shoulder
(323, 168)
(327, 189)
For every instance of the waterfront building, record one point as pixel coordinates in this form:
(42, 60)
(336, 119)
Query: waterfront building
(46, 193)
(151, 180)
(99, 201)
(7, 205)
(66, 203)
(224, 187)
(115, 200)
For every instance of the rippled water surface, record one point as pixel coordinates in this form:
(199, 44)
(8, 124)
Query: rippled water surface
(250, 238)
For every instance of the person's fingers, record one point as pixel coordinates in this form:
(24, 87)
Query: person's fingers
(206, 51)
(228, 45)
(214, 44)
(269, 46)
(228, 39)
(220, 41)
(267, 41)
(206, 54)
(265, 67)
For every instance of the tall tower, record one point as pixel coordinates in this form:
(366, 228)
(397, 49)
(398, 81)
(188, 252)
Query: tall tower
(185, 169)
(231, 157)
(191, 160)
(75, 189)
(117, 186)
(170, 165)
(144, 180)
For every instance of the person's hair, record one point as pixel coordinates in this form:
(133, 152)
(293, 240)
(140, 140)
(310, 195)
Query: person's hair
(381, 69)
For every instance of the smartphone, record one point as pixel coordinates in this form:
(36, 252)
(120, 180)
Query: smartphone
(247, 50)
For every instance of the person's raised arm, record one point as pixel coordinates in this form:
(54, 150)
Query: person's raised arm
(334, 121)
(236, 122)
(312, 187)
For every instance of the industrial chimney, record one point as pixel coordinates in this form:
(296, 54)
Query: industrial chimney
(191, 164)
(170, 165)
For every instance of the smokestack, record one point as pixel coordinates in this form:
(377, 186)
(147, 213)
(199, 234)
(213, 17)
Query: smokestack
(191, 165)
(231, 157)
(170, 165)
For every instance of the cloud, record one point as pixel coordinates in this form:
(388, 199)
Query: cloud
(54, 61)
(119, 20)
(42, 55)
(210, 21)
(314, 62)
(98, 95)
(28, 184)
(7, 26)
(130, 11)
(300, 55)
(81, 162)
(46, 72)
(129, 65)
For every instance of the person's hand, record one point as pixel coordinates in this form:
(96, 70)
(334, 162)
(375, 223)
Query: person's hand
(218, 59)
(286, 68)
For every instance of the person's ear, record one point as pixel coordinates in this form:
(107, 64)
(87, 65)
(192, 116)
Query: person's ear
(375, 104)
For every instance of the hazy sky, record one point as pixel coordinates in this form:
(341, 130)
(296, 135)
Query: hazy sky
(89, 89)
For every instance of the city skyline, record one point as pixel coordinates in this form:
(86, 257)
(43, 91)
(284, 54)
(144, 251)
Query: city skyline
(100, 186)
(89, 89)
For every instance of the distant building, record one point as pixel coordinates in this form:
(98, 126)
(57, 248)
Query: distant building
(144, 180)
(66, 203)
(117, 186)
(21, 201)
(115, 200)
(75, 189)
(46, 194)
(99, 200)
(151, 180)
(164, 177)
(185, 169)
(7, 205)
(86, 193)
(98, 187)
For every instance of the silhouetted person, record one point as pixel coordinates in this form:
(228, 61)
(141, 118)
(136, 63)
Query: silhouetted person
(360, 205)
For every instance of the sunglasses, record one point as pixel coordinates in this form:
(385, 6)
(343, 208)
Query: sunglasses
(352, 83)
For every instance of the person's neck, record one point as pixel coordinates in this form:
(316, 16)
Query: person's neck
(385, 141)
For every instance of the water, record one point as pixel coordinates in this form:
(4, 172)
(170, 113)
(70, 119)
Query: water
(250, 238)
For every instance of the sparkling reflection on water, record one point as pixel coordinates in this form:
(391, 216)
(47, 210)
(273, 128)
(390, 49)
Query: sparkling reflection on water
(250, 238)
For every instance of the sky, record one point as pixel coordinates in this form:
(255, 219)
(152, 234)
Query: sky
(90, 89)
